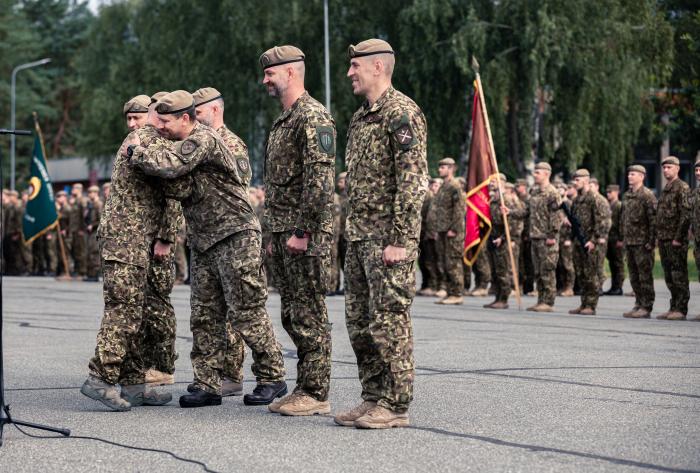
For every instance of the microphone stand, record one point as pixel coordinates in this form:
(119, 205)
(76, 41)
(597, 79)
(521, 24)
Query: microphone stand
(5, 418)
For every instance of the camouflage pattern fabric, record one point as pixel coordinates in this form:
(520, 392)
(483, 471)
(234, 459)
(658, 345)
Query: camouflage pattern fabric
(565, 267)
(601, 248)
(615, 254)
(640, 263)
(239, 149)
(450, 208)
(501, 278)
(92, 219)
(544, 219)
(78, 238)
(303, 286)
(228, 278)
(449, 250)
(545, 259)
(695, 222)
(674, 260)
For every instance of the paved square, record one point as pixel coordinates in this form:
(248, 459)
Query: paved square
(495, 391)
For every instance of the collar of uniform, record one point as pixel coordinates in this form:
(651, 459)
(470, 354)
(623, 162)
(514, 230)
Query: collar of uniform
(380, 101)
(287, 113)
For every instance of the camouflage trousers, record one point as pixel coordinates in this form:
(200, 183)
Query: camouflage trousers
(377, 314)
(79, 253)
(640, 264)
(228, 283)
(544, 259)
(565, 266)
(181, 269)
(333, 271)
(482, 272)
(92, 256)
(675, 263)
(587, 275)
(601, 249)
(526, 269)
(159, 323)
(617, 265)
(303, 283)
(696, 254)
(449, 251)
(117, 355)
(501, 274)
(428, 264)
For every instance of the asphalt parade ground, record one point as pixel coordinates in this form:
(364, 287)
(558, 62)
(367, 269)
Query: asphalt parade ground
(495, 391)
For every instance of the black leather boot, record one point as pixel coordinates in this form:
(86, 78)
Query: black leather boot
(264, 394)
(200, 398)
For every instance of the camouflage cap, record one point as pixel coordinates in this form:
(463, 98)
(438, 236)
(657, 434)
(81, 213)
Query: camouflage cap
(93, 189)
(370, 47)
(174, 102)
(278, 55)
(446, 161)
(206, 95)
(342, 175)
(61, 194)
(436, 179)
(157, 96)
(612, 188)
(138, 104)
(671, 160)
(582, 173)
(520, 182)
(510, 185)
(543, 167)
(637, 168)
(106, 185)
(77, 185)
(594, 180)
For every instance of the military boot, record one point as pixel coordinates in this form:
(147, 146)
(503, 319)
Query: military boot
(158, 378)
(382, 418)
(639, 314)
(136, 395)
(441, 294)
(542, 307)
(663, 316)
(452, 300)
(427, 292)
(275, 405)
(231, 388)
(675, 315)
(576, 310)
(566, 292)
(628, 314)
(488, 306)
(499, 305)
(587, 311)
(107, 394)
(304, 405)
(200, 398)
(347, 419)
(264, 394)
(480, 292)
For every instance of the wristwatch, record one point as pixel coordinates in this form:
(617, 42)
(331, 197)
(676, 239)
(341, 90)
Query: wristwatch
(299, 233)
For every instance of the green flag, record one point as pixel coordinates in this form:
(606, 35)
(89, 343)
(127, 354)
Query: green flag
(40, 214)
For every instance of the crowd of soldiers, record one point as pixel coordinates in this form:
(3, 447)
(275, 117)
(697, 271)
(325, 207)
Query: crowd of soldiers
(561, 234)
(180, 161)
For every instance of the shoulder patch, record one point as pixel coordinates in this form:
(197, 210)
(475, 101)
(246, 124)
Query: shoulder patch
(188, 147)
(243, 165)
(403, 133)
(326, 140)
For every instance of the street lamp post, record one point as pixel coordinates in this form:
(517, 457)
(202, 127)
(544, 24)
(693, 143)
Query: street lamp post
(21, 67)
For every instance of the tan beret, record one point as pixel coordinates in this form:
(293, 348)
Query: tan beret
(582, 173)
(61, 193)
(174, 102)
(93, 189)
(77, 185)
(637, 168)
(106, 185)
(342, 175)
(13, 193)
(671, 160)
(157, 96)
(520, 182)
(543, 167)
(206, 95)
(449, 161)
(138, 104)
(509, 185)
(281, 55)
(370, 47)
(594, 180)
(436, 179)
(612, 188)
(502, 177)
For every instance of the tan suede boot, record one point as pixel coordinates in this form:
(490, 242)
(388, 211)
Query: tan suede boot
(382, 418)
(304, 405)
(347, 419)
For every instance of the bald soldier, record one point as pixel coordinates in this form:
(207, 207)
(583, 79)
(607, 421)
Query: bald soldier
(387, 181)
(638, 235)
(224, 234)
(209, 107)
(299, 175)
(672, 224)
(592, 215)
(544, 220)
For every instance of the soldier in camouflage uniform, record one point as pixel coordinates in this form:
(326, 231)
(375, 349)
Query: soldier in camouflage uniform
(695, 221)
(342, 242)
(672, 223)
(387, 181)
(224, 234)
(638, 237)
(299, 181)
(544, 220)
(450, 208)
(502, 280)
(63, 210)
(527, 274)
(78, 231)
(209, 105)
(428, 258)
(592, 216)
(614, 253)
(602, 244)
(129, 237)
(565, 266)
(93, 211)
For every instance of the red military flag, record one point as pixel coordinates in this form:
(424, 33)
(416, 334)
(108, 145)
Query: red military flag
(480, 171)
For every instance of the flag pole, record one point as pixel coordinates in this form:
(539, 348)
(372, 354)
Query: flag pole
(58, 222)
(475, 67)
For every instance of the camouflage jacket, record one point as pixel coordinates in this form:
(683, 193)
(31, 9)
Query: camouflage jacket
(592, 215)
(638, 218)
(343, 211)
(450, 207)
(136, 212)
(239, 149)
(93, 212)
(77, 215)
(615, 233)
(565, 232)
(218, 205)
(516, 218)
(673, 212)
(64, 218)
(300, 169)
(695, 214)
(387, 170)
(604, 207)
(426, 227)
(544, 217)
